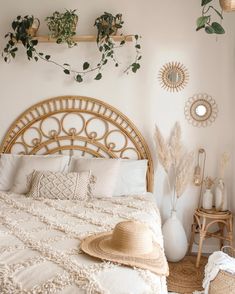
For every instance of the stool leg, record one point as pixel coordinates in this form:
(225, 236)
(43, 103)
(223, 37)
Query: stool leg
(202, 235)
(230, 233)
(221, 227)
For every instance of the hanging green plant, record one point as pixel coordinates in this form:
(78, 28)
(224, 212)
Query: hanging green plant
(205, 21)
(107, 25)
(62, 26)
(21, 34)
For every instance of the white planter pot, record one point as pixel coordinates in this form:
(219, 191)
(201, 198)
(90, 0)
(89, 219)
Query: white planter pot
(221, 199)
(207, 201)
(175, 240)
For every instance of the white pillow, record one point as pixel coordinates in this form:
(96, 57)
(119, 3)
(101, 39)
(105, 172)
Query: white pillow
(8, 167)
(58, 185)
(104, 170)
(27, 164)
(131, 177)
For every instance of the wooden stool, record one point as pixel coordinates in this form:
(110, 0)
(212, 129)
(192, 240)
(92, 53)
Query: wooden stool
(203, 220)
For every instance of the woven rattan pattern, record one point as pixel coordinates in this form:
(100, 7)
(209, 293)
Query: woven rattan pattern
(97, 123)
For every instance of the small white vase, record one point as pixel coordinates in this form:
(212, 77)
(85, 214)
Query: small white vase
(175, 240)
(207, 201)
(221, 199)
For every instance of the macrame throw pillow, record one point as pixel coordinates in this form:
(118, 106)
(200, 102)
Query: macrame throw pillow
(59, 185)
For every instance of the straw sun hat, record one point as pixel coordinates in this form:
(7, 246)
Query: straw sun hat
(130, 243)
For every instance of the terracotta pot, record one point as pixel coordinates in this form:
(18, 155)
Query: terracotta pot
(32, 31)
(115, 29)
(227, 5)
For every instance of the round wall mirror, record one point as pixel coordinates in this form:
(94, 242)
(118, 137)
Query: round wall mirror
(201, 110)
(173, 76)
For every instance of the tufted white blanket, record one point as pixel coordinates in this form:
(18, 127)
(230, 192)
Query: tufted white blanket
(39, 246)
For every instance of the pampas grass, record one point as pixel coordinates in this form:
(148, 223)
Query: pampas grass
(174, 160)
(184, 173)
(163, 150)
(224, 160)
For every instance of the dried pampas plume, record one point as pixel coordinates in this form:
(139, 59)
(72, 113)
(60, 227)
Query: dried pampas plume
(184, 173)
(175, 143)
(224, 160)
(172, 158)
(163, 150)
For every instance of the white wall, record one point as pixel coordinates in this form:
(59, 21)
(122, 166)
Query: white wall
(168, 31)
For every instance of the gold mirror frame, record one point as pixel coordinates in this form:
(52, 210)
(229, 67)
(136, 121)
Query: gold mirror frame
(177, 71)
(192, 105)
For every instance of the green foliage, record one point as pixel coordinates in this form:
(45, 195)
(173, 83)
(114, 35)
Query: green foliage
(205, 22)
(20, 27)
(106, 24)
(63, 26)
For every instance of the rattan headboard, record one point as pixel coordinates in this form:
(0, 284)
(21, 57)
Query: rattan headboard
(77, 124)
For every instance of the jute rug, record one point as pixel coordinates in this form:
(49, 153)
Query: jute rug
(184, 277)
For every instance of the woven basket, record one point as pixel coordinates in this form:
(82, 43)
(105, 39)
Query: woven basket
(224, 283)
(227, 5)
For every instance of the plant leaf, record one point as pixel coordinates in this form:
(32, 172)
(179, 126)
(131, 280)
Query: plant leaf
(67, 72)
(135, 67)
(85, 65)
(201, 22)
(34, 42)
(47, 57)
(79, 78)
(209, 30)
(218, 29)
(98, 76)
(204, 2)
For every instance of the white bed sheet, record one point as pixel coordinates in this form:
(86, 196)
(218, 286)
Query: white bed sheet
(39, 246)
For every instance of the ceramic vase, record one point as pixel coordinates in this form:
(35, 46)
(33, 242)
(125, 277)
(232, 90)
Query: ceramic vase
(221, 199)
(175, 240)
(207, 201)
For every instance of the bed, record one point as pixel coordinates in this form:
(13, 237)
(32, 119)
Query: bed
(39, 238)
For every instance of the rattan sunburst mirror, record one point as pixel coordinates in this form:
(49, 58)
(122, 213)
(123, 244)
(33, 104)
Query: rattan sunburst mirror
(201, 110)
(173, 76)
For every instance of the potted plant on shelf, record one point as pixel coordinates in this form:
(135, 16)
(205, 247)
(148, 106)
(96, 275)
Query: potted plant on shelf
(24, 30)
(107, 25)
(62, 26)
(21, 34)
(178, 165)
(205, 20)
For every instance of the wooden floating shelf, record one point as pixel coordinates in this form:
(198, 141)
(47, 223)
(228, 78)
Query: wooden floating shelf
(84, 38)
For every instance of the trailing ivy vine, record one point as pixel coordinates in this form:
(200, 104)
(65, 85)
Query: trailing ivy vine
(105, 44)
(205, 21)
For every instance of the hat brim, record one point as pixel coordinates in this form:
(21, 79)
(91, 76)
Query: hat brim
(99, 246)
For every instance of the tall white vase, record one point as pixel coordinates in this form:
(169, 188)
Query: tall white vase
(175, 240)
